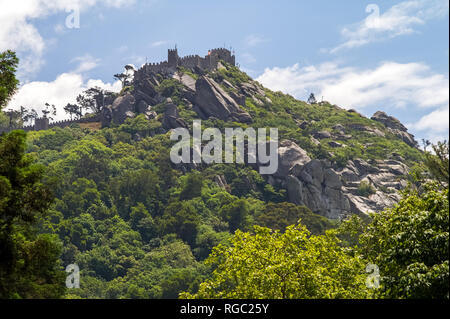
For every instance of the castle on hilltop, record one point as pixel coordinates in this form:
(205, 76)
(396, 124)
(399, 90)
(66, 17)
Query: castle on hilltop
(209, 62)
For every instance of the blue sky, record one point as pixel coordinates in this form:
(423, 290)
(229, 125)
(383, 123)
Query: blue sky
(368, 55)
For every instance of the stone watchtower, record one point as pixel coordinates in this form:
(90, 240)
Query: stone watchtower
(41, 124)
(173, 58)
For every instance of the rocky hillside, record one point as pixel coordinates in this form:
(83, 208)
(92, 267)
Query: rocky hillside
(334, 161)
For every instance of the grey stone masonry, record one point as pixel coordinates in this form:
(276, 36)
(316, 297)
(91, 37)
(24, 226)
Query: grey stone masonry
(209, 62)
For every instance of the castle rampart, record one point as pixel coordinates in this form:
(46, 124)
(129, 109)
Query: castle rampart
(209, 62)
(44, 124)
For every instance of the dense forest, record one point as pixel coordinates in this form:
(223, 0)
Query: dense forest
(138, 226)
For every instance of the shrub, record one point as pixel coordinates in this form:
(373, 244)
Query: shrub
(365, 189)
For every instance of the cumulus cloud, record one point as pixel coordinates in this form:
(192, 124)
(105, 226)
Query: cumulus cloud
(400, 19)
(159, 43)
(391, 84)
(253, 40)
(434, 126)
(64, 89)
(18, 33)
(86, 63)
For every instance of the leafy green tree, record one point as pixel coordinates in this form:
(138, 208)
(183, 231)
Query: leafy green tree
(182, 219)
(4, 120)
(73, 110)
(8, 81)
(236, 214)
(280, 215)
(29, 265)
(207, 239)
(184, 279)
(193, 187)
(164, 169)
(133, 187)
(438, 163)
(268, 264)
(142, 221)
(89, 159)
(95, 99)
(410, 245)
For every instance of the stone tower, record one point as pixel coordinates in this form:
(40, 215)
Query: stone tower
(41, 124)
(173, 57)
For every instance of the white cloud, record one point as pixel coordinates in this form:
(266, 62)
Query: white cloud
(435, 125)
(158, 43)
(86, 63)
(437, 121)
(391, 84)
(18, 33)
(400, 19)
(59, 29)
(135, 59)
(64, 89)
(253, 40)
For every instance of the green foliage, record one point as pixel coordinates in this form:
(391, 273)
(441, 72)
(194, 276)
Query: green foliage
(137, 227)
(365, 189)
(272, 265)
(232, 74)
(4, 121)
(142, 221)
(410, 245)
(125, 89)
(134, 187)
(192, 187)
(181, 218)
(140, 227)
(187, 71)
(8, 80)
(171, 88)
(29, 265)
(438, 163)
(285, 112)
(279, 216)
(236, 215)
(140, 125)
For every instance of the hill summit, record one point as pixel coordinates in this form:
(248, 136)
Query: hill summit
(334, 161)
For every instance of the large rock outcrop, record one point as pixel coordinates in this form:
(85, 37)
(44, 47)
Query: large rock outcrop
(289, 155)
(385, 177)
(395, 127)
(317, 186)
(171, 117)
(336, 192)
(122, 108)
(212, 101)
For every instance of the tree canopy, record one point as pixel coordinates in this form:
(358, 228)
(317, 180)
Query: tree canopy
(8, 80)
(294, 264)
(29, 262)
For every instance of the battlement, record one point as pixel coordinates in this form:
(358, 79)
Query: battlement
(209, 62)
(223, 50)
(43, 123)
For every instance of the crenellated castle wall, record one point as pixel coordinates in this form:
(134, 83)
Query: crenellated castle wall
(44, 124)
(209, 62)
